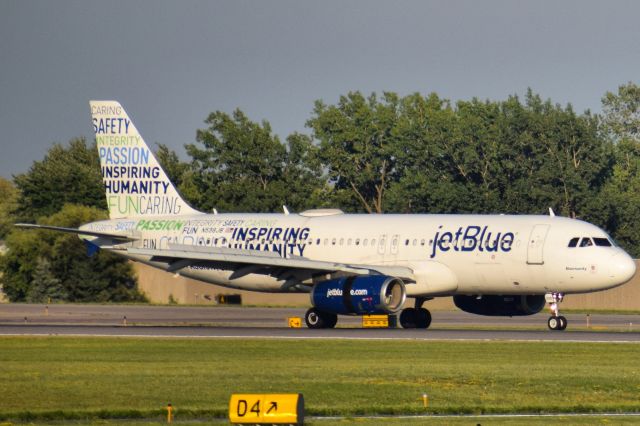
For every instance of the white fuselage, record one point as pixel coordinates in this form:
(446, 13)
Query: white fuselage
(448, 254)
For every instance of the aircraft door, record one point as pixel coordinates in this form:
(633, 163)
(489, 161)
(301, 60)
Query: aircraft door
(395, 242)
(535, 247)
(382, 244)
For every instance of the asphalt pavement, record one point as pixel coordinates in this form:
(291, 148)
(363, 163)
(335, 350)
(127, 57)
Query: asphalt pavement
(261, 322)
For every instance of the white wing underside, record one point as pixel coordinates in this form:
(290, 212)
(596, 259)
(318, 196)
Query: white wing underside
(179, 256)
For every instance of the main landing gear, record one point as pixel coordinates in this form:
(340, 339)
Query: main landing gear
(556, 321)
(417, 317)
(319, 319)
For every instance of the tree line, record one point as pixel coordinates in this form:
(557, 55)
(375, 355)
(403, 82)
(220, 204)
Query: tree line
(374, 154)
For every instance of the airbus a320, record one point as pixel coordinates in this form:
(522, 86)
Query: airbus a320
(350, 264)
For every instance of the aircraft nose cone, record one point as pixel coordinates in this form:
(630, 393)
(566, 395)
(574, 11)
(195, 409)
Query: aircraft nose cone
(622, 267)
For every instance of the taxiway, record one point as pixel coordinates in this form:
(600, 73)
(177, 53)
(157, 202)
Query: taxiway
(260, 322)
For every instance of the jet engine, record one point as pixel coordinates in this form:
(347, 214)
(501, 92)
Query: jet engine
(359, 295)
(500, 305)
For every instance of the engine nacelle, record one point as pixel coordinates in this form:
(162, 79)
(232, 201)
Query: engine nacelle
(359, 295)
(510, 306)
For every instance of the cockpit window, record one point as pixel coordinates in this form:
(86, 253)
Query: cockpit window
(586, 242)
(574, 242)
(602, 242)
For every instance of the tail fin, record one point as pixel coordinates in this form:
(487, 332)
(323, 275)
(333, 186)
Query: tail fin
(134, 182)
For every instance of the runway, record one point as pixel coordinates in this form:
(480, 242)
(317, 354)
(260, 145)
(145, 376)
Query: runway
(260, 322)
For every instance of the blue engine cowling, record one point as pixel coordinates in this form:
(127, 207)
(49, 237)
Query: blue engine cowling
(359, 295)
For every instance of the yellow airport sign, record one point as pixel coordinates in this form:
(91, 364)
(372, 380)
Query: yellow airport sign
(295, 322)
(375, 321)
(274, 408)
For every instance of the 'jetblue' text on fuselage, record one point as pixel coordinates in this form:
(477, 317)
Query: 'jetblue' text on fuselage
(471, 238)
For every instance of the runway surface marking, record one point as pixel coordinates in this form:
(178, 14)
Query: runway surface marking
(259, 322)
(323, 337)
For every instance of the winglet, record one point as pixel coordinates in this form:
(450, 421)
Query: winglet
(551, 213)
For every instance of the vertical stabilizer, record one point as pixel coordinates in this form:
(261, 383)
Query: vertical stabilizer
(134, 182)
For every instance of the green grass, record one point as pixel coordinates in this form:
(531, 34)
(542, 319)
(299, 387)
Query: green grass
(58, 378)
(428, 421)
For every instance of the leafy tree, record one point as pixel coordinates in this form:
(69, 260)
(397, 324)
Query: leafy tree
(620, 198)
(171, 164)
(66, 175)
(619, 203)
(559, 159)
(8, 203)
(621, 112)
(242, 166)
(420, 154)
(44, 285)
(357, 146)
(103, 277)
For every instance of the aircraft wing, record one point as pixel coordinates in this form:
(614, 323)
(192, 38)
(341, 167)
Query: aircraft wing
(243, 262)
(113, 236)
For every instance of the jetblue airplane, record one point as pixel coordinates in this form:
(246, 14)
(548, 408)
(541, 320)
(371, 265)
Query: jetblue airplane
(351, 264)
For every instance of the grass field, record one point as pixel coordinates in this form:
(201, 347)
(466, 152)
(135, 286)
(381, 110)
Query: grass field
(427, 421)
(62, 378)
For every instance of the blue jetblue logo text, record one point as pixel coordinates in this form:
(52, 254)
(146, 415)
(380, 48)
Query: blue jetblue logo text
(472, 238)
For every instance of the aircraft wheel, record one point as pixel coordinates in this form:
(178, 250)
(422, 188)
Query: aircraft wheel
(423, 318)
(330, 320)
(314, 319)
(563, 323)
(553, 323)
(318, 319)
(408, 318)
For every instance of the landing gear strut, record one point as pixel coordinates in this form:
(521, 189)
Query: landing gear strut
(319, 319)
(556, 321)
(417, 317)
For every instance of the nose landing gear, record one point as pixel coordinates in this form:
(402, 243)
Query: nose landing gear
(555, 321)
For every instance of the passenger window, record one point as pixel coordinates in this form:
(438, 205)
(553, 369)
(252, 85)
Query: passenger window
(373, 242)
(326, 241)
(574, 242)
(333, 242)
(318, 242)
(602, 242)
(341, 241)
(357, 241)
(364, 243)
(349, 242)
(406, 242)
(422, 242)
(586, 242)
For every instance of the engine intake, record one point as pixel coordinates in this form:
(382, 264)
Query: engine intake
(510, 306)
(374, 294)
